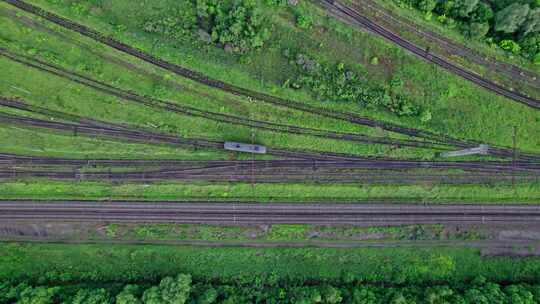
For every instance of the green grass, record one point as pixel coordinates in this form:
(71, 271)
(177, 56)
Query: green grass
(123, 263)
(46, 189)
(33, 142)
(452, 100)
(76, 99)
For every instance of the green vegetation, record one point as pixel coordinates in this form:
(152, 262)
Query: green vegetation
(448, 101)
(46, 189)
(237, 25)
(341, 84)
(130, 263)
(181, 289)
(513, 25)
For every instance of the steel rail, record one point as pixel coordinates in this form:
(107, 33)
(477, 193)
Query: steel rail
(421, 53)
(200, 78)
(242, 214)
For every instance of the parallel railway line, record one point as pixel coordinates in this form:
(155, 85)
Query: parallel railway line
(233, 89)
(11, 160)
(116, 132)
(246, 214)
(190, 111)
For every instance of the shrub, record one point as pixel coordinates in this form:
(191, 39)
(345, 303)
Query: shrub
(304, 21)
(342, 84)
(234, 24)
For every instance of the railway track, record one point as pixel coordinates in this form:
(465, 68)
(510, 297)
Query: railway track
(421, 53)
(119, 132)
(233, 89)
(247, 174)
(219, 117)
(190, 111)
(511, 71)
(11, 160)
(255, 214)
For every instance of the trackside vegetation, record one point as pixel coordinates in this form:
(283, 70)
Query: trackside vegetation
(514, 26)
(249, 275)
(182, 289)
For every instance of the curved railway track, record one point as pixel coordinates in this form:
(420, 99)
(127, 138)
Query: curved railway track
(233, 89)
(252, 214)
(511, 71)
(190, 111)
(409, 46)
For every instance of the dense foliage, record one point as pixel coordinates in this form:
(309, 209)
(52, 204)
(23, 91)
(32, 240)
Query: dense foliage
(182, 290)
(235, 25)
(512, 25)
(338, 83)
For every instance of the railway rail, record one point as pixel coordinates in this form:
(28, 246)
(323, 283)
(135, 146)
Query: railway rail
(421, 53)
(247, 174)
(233, 89)
(118, 132)
(19, 161)
(190, 111)
(393, 20)
(274, 213)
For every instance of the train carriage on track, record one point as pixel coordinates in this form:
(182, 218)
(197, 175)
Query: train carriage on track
(241, 147)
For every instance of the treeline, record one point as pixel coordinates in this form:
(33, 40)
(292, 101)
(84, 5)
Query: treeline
(182, 290)
(513, 25)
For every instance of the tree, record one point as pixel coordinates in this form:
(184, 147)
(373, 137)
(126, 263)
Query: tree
(475, 30)
(208, 297)
(518, 294)
(169, 291)
(128, 295)
(364, 295)
(92, 296)
(510, 45)
(510, 19)
(331, 295)
(38, 295)
(427, 5)
(530, 45)
(462, 8)
(483, 13)
(532, 24)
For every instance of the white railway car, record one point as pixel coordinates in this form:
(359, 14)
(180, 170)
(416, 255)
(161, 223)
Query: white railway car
(241, 147)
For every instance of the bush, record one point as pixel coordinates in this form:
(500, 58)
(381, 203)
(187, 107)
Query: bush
(341, 84)
(304, 21)
(236, 25)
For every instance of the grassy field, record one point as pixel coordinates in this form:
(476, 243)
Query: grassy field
(123, 263)
(45, 189)
(450, 99)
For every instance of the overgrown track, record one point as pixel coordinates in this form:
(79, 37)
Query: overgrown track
(200, 78)
(119, 132)
(190, 111)
(11, 160)
(449, 66)
(511, 71)
(253, 214)
(167, 106)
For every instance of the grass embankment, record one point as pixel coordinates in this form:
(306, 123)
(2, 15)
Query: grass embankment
(451, 100)
(123, 263)
(45, 189)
